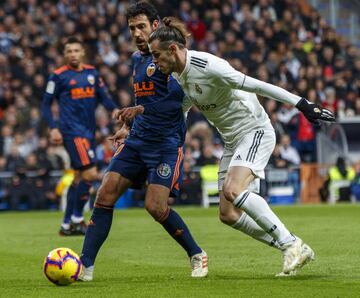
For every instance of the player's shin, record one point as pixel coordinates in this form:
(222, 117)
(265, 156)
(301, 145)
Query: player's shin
(97, 232)
(82, 196)
(257, 208)
(248, 226)
(70, 199)
(176, 227)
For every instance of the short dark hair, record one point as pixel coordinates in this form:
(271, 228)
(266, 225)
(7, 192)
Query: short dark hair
(142, 7)
(72, 39)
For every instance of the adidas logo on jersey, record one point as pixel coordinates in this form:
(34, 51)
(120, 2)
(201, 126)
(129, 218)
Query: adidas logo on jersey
(238, 157)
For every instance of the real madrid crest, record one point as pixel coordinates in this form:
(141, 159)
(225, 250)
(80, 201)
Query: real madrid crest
(150, 70)
(91, 79)
(198, 89)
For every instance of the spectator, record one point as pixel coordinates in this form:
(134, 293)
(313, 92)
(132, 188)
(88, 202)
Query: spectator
(288, 152)
(337, 185)
(276, 161)
(191, 192)
(196, 26)
(355, 184)
(273, 39)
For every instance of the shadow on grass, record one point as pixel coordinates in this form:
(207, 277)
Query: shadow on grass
(146, 279)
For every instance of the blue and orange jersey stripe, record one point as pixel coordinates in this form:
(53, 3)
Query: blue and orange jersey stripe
(61, 69)
(118, 150)
(177, 168)
(82, 145)
(88, 66)
(67, 67)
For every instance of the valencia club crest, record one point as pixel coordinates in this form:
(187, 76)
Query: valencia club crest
(150, 70)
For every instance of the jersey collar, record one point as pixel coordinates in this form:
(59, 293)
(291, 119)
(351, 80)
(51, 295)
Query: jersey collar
(187, 66)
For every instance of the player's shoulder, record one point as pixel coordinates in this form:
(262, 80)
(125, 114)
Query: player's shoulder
(88, 66)
(203, 57)
(198, 59)
(206, 62)
(61, 69)
(136, 55)
(203, 60)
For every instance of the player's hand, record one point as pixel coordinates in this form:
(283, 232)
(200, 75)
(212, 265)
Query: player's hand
(128, 114)
(120, 136)
(56, 137)
(314, 113)
(115, 114)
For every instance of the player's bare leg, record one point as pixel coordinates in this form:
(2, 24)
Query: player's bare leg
(156, 203)
(112, 187)
(295, 253)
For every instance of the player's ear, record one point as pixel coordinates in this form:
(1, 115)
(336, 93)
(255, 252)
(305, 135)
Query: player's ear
(172, 48)
(155, 25)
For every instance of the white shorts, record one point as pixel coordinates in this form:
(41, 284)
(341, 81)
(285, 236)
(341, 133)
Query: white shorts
(253, 151)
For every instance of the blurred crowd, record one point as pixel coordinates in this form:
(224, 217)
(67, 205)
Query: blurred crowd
(283, 42)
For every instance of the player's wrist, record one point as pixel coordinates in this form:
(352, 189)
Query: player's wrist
(140, 109)
(302, 104)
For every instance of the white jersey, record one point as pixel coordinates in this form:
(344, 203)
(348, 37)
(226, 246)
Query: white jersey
(213, 86)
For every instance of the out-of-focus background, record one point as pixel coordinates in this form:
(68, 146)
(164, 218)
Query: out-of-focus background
(310, 48)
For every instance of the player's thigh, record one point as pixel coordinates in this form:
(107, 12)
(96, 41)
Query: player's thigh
(128, 163)
(81, 151)
(228, 214)
(166, 168)
(90, 173)
(248, 161)
(112, 187)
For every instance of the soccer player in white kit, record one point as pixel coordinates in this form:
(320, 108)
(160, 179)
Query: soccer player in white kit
(227, 98)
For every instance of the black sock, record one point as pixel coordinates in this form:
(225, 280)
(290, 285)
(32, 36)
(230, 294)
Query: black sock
(70, 199)
(97, 232)
(177, 229)
(82, 196)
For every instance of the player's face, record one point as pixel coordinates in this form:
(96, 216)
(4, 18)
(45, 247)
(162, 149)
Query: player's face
(74, 54)
(163, 58)
(140, 30)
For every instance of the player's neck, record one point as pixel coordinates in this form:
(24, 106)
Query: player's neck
(180, 61)
(76, 68)
(144, 53)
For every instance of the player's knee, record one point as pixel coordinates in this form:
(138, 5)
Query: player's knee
(90, 175)
(228, 217)
(232, 190)
(155, 209)
(106, 194)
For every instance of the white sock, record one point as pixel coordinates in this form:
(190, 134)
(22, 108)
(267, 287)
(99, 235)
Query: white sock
(248, 226)
(76, 219)
(66, 226)
(257, 208)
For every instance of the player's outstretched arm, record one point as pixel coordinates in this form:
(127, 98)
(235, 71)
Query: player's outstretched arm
(126, 115)
(172, 101)
(223, 74)
(313, 112)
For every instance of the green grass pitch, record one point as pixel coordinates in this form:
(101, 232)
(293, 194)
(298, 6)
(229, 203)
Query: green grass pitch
(139, 259)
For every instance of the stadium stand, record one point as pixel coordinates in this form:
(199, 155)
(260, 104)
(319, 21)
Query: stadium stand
(287, 43)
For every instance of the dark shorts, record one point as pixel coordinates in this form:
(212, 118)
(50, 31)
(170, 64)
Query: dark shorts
(81, 151)
(140, 163)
